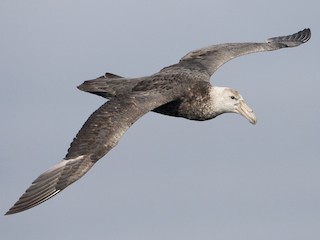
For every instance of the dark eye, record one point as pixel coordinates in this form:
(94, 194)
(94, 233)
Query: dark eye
(233, 97)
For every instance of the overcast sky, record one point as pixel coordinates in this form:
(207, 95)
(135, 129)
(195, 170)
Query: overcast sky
(168, 178)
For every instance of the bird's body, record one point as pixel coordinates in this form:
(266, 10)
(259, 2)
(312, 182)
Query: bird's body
(194, 103)
(179, 90)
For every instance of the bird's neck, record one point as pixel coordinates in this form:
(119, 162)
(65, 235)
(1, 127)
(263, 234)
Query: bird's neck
(216, 95)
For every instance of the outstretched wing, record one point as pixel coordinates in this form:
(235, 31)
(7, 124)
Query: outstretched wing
(209, 59)
(99, 134)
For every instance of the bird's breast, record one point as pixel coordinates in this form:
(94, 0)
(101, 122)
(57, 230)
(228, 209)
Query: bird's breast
(197, 108)
(195, 104)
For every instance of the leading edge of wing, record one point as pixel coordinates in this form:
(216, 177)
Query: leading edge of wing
(212, 57)
(100, 133)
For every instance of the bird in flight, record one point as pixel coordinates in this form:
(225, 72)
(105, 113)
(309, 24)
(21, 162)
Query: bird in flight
(180, 90)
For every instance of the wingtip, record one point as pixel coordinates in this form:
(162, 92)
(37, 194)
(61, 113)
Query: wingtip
(300, 37)
(304, 35)
(10, 212)
(81, 86)
(7, 213)
(24, 203)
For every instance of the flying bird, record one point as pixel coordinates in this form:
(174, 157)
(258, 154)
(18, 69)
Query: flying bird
(180, 90)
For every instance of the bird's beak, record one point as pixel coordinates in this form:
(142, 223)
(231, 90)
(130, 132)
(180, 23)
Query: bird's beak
(247, 112)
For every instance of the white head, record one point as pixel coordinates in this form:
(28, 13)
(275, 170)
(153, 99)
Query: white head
(227, 100)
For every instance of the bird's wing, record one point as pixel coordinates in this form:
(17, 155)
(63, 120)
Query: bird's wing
(99, 134)
(209, 59)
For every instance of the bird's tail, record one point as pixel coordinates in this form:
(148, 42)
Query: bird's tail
(107, 86)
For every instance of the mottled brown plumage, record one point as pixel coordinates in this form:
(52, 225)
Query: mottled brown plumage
(180, 90)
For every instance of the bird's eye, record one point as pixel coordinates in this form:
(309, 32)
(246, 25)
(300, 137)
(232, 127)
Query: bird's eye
(233, 97)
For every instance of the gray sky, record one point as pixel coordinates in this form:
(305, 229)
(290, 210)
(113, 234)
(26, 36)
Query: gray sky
(167, 178)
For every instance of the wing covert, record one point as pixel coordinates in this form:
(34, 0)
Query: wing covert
(212, 57)
(100, 133)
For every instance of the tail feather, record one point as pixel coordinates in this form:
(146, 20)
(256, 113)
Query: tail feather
(108, 86)
(108, 75)
(98, 87)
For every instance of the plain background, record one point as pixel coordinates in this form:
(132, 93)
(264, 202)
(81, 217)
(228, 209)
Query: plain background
(168, 178)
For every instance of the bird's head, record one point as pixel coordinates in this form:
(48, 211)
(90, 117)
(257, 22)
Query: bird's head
(227, 100)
